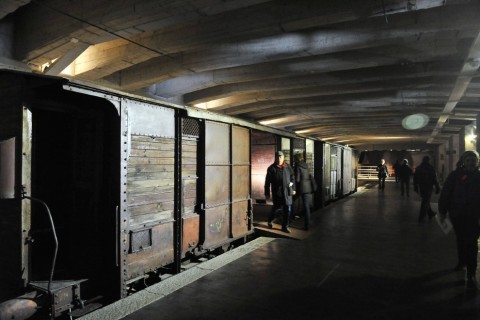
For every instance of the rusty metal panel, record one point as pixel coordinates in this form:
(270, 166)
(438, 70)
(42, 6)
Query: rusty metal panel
(159, 254)
(241, 222)
(150, 120)
(241, 146)
(217, 143)
(216, 218)
(217, 185)
(140, 240)
(217, 164)
(240, 183)
(122, 223)
(216, 227)
(190, 233)
(240, 164)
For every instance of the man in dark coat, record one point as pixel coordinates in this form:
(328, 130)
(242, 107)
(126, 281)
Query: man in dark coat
(303, 178)
(281, 180)
(424, 179)
(405, 172)
(460, 199)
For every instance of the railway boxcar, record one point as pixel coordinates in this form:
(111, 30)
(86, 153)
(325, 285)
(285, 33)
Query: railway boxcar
(114, 190)
(133, 187)
(336, 169)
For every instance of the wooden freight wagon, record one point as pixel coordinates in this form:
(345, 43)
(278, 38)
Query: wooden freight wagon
(133, 186)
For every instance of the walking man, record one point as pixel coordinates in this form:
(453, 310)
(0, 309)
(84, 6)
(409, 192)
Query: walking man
(424, 179)
(382, 174)
(405, 172)
(280, 179)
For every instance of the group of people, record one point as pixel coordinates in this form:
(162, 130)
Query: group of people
(283, 182)
(424, 182)
(459, 201)
(459, 198)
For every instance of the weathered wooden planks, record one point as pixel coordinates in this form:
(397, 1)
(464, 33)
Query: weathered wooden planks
(150, 179)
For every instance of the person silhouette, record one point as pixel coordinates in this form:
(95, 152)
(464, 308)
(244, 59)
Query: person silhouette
(460, 200)
(280, 179)
(382, 174)
(303, 179)
(404, 173)
(424, 180)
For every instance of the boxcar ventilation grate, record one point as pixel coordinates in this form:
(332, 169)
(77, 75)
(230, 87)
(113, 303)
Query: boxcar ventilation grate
(190, 127)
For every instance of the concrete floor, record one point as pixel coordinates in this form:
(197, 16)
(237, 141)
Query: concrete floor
(366, 257)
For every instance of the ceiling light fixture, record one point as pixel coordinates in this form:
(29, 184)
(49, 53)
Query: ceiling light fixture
(415, 121)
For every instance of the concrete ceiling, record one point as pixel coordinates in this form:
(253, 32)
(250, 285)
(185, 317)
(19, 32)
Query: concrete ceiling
(342, 71)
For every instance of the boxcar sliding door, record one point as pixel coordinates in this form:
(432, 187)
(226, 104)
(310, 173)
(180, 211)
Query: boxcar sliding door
(148, 225)
(241, 202)
(216, 213)
(226, 187)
